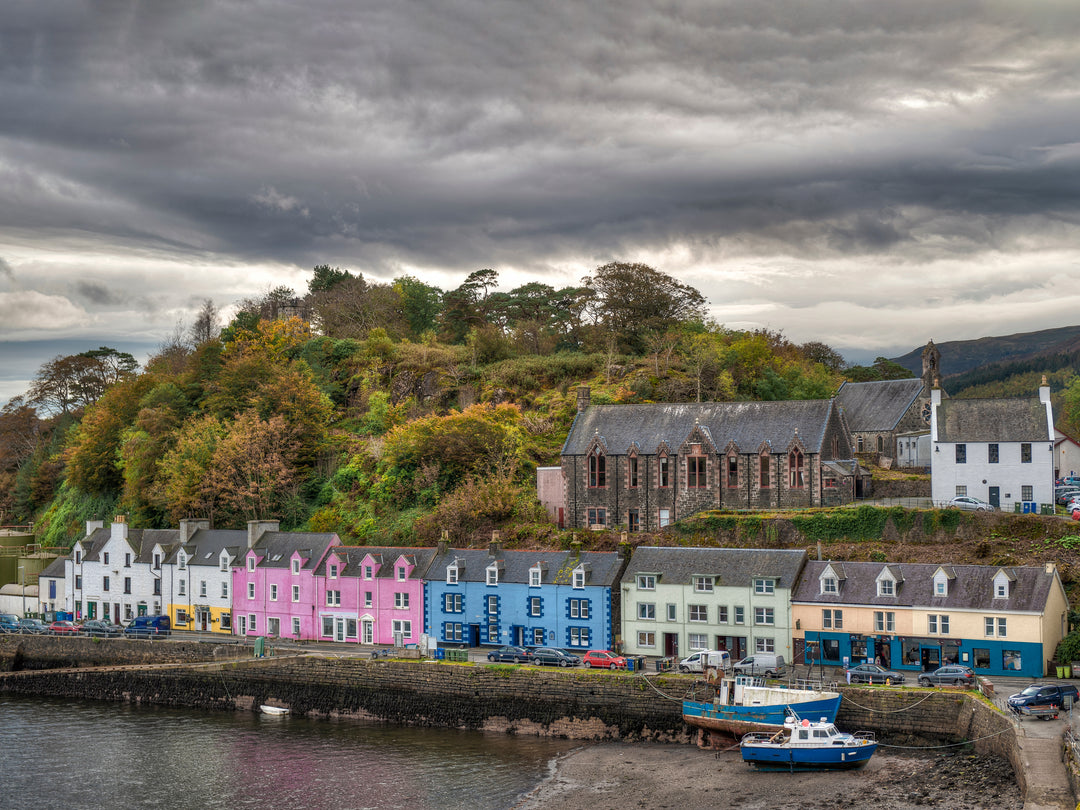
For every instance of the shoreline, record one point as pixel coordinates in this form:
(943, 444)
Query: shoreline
(659, 775)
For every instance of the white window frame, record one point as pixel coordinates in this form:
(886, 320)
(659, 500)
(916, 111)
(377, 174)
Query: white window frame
(646, 582)
(647, 611)
(765, 586)
(646, 638)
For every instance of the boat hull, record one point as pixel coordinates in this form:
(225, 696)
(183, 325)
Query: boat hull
(779, 757)
(738, 720)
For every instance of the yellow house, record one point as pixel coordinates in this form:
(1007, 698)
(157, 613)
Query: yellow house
(1003, 620)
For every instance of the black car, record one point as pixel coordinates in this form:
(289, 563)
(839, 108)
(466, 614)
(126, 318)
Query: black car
(515, 655)
(554, 657)
(955, 674)
(101, 629)
(35, 627)
(872, 673)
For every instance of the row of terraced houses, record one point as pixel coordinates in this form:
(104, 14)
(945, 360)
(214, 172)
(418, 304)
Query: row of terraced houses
(652, 601)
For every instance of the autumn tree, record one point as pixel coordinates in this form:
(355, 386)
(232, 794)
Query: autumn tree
(143, 444)
(252, 471)
(74, 381)
(184, 486)
(207, 324)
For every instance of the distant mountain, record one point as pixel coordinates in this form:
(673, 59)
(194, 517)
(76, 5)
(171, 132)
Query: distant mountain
(961, 356)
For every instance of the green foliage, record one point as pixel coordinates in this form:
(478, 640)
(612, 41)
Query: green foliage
(64, 521)
(1070, 542)
(1068, 649)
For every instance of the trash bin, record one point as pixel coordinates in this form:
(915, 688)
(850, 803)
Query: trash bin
(1061, 672)
(630, 662)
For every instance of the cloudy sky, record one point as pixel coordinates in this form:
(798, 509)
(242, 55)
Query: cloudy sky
(868, 174)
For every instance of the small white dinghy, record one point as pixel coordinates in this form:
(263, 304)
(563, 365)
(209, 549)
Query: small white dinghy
(275, 710)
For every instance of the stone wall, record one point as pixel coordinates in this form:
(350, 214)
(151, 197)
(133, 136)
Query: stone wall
(19, 652)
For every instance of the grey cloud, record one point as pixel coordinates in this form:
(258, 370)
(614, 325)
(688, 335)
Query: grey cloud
(98, 294)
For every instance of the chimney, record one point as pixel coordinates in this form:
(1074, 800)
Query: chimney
(119, 528)
(575, 548)
(1050, 568)
(583, 394)
(93, 525)
(494, 547)
(189, 526)
(1044, 391)
(257, 528)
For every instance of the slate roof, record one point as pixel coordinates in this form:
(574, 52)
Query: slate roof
(972, 586)
(276, 548)
(732, 567)
(141, 542)
(1019, 419)
(558, 566)
(877, 406)
(55, 569)
(205, 545)
(748, 424)
(386, 555)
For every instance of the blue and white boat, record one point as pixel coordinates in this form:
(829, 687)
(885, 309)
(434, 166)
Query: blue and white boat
(743, 703)
(803, 745)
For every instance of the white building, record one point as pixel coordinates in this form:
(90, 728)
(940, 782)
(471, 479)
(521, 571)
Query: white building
(1067, 455)
(998, 450)
(198, 577)
(52, 594)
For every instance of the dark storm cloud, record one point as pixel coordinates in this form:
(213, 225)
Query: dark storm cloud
(98, 294)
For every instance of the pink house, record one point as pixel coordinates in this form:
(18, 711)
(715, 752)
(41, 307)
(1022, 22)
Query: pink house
(274, 583)
(370, 594)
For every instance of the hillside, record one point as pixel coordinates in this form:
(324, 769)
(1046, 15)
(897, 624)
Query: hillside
(960, 356)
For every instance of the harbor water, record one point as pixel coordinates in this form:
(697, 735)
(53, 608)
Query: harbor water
(85, 754)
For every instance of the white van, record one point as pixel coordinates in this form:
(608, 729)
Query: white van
(761, 664)
(706, 659)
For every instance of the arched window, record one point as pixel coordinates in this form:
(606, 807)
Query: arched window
(733, 470)
(663, 470)
(795, 468)
(597, 468)
(632, 471)
(880, 444)
(763, 470)
(695, 472)
(859, 444)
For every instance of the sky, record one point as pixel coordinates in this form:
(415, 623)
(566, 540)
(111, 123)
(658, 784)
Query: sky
(867, 174)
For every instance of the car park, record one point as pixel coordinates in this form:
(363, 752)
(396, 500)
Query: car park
(63, 628)
(100, 629)
(514, 655)
(552, 656)
(603, 659)
(872, 673)
(970, 504)
(33, 627)
(951, 674)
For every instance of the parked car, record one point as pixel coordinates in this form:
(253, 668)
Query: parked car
(554, 657)
(1063, 498)
(34, 627)
(63, 628)
(9, 623)
(603, 659)
(516, 655)
(955, 674)
(1043, 694)
(701, 660)
(872, 673)
(970, 504)
(148, 627)
(100, 629)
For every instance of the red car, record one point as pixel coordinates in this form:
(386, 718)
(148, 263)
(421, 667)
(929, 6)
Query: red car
(605, 659)
(63, 628)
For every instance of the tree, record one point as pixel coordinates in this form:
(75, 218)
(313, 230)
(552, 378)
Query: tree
(817, 352)
(74, 381)
(252, 472)
(1069, 420)
(631, 300)
(325, 278)
(882, 369)
(207, 324)
(420, 304)
(466, 307)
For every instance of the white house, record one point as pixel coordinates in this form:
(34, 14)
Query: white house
(998, 450)
(198, 577)
(52, 587)
(1067, 455)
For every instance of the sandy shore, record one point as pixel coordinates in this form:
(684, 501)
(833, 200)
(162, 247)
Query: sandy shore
(643, 775)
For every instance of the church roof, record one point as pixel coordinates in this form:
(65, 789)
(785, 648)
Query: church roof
(879, 405)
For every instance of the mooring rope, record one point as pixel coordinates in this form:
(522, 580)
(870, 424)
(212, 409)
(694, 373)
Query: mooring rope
(890, 711)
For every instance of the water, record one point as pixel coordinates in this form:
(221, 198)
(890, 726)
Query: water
(85, 754)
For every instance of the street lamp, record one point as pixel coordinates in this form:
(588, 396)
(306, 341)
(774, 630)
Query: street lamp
(22, 580)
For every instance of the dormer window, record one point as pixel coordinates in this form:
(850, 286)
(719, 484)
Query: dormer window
(369, 571)
(333, 571)
(251, 563)
(646, 582)
(452, 574)
(224, 563)
(886, 587)
(536, 576)
(401, 573)
(78, 557)
(703, 584)
(941, 583)
(295, 567)
(829, 585)
(579, 576)
(493, 575)
(157, 561)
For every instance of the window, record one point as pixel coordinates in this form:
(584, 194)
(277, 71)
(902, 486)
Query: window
(224, 590)
(633, 522)
(369, 572)
(884, 621)
(763, 471)
(78, 582)
(765, 586)
(832, 619)
(579, 578)
(224, 564)
(251, 563)
(493, 605)
(127, 561)
(401, 600)
(931, 623)
(961, 490)
(78, 558)
(740, 615)
(828, 585)
(662, 471)
(452, 631)
(597, 469)
(492, 575)
(943, 620)
(295, 567)
(1001, 590)
(1002, 624)
(579, 636)
(664, 517)
(646, 582)
(763, 615)
(646, 611)
(252, 623)
(880, 444)
(988, 626)
(579, 608)
(402, 626)
(104, 583)
(333, 597)
(538, 636)
(296, 626)
(721, 614)
(535, 606)
(451, 575)
(698, 641)
(764, 645)
(401, 573)
(226, 621)
(1010, 659)
(795, 469)
(886, 587)
(992, 453)
(106, 556)
(1025, 453)
(961, 454)
(703, 584)
(632, 472)
(672, 611)
(333, 571)
(1027, 492)
(273, 593)
(127, 584)
(732, 471)
(157, 561)
(941, 587)
(452, 603)
(695, 472)
(368, 600)
(328, 625)
(697, 613)
(182, 587)
(597, 516)
(296, 593)
(202, 588)
(273, 626)
(646, 639)
(535, 577)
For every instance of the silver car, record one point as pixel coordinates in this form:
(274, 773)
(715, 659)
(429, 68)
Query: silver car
(969, 504)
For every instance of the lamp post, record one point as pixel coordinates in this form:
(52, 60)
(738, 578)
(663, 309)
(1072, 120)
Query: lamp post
(22, 580)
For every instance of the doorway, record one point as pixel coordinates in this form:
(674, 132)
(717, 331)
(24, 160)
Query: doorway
(994, 496)
(671, 645)
(339, 628)
(367, 628)
(930, 658)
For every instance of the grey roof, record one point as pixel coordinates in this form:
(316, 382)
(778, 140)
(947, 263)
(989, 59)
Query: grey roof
(141, 542)
(971, 586)
(732, 567)
(55, 569)
(204, 547)
(386, 555)
(880, 405)
(276, 548)
(558, 566)
(1019, 419)
(748, 424)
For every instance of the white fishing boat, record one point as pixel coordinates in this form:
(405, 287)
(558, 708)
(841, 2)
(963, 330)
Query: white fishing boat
(274, 710)
(803, 745)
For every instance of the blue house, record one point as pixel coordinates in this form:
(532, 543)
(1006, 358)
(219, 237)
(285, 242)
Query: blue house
(525, 598)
